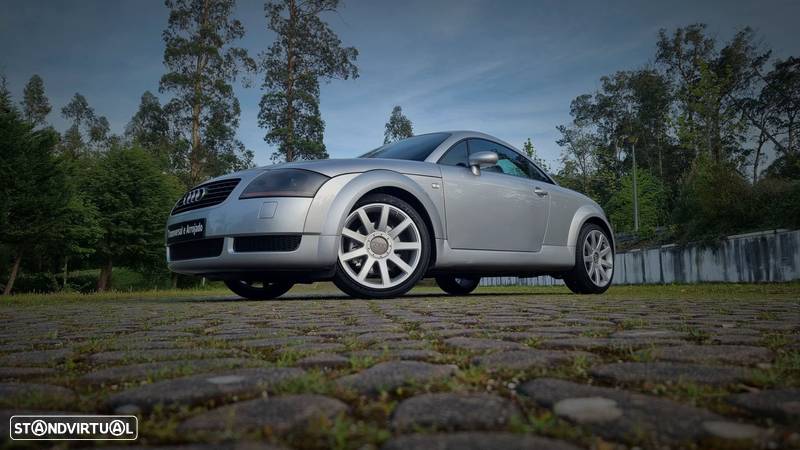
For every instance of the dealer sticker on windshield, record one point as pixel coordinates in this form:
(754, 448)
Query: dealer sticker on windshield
(186, 231)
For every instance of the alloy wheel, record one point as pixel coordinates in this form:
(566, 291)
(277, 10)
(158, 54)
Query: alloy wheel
(598, 259)
(380, 246)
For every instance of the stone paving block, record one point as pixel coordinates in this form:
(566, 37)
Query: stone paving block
(46, 358)
(780, 404)
(715, 354)
(323, 361)
(619, 414)
(456, 332)
(219, 446)
(24, 372)
(313, 347)
(12, 393)
(402, 354)
(278, 415)
(377, 337)
(146, 344)
(393, 374)
(279, 342)
(528, 359)
(596, 343)
(734, 339)
(200, 389)
(475, 441)
(666, 372)
(648, 333)
(403, 344)
(522, 336)
(14, 347)
(483, 345)
(122, 356)
(453, 411)
(144, 371)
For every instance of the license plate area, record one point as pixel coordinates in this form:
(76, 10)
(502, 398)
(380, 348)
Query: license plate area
(191, 230)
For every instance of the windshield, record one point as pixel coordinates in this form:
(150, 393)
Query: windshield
(415, 148)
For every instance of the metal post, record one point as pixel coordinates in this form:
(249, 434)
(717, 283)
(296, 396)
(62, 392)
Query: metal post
(635, 191)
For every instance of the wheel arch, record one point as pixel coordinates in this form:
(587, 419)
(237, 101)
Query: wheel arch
(415, 203)
(336, 199)
(589, 214)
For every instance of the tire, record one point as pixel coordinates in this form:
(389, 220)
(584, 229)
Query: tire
(457, 285)
(594, 262)
(386, 256)
(267, 290)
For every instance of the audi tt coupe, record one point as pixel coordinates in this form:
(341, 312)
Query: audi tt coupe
(455, 206)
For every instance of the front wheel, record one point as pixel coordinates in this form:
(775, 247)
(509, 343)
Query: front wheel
(384, 250)
(258, 290)
(457, 285)
(594, 262)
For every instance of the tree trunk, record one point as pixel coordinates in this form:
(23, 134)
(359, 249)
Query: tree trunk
(195, 159)
(174, 280)
(13, 277)
(104, 281)
(290, 82)
(757, 158)
(66, 272)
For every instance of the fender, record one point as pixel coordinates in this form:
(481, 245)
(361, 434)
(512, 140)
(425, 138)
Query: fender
(580, 217)
(336, 199)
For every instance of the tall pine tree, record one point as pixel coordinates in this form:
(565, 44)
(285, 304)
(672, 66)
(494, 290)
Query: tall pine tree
(35, 105)
(398, 127)
(305, 51)
(33, 197)
(150, 130)
(202, 63)
(135, 198)
(88, 131)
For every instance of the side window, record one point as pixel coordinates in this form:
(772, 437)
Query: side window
(537, 173)
(509, 162)
(456, 156)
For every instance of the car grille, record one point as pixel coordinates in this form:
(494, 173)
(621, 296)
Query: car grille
(202, 248)
(214, 193)
(267, 243)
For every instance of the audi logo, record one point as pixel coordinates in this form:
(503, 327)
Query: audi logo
(195, 195)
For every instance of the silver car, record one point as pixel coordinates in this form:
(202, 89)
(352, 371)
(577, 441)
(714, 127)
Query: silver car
(453, 205)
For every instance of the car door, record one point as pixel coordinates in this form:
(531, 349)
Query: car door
(496, 210)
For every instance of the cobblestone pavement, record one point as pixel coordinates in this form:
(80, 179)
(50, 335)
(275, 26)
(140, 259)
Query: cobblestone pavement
(493, 370)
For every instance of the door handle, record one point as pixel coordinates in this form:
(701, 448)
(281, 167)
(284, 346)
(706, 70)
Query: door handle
(540, 192)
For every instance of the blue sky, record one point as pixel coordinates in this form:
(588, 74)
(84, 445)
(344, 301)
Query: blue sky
(508, 68)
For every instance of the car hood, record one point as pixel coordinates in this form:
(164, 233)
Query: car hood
(334, 167)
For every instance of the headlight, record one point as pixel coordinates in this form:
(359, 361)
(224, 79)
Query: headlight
(285, 183)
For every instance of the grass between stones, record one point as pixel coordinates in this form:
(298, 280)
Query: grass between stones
(765, 308)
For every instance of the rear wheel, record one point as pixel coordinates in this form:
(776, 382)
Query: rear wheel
(457, 285)
(384, 249)
(594, 262)
(258, 290)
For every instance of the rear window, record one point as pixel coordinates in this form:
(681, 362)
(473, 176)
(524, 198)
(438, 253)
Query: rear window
(415, 148)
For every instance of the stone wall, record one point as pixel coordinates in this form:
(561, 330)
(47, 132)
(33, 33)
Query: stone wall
(745, 258)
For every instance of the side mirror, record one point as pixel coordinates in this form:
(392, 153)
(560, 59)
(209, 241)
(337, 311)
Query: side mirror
(479, 160)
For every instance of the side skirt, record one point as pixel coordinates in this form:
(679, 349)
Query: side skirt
(493, 262)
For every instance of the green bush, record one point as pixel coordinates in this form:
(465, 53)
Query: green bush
(652, 199)
(83, 282)
(776, 202)
(41, 283)
(716, 200)
(122, 279)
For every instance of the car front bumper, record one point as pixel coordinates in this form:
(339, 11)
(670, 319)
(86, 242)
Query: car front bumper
(235, 218)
